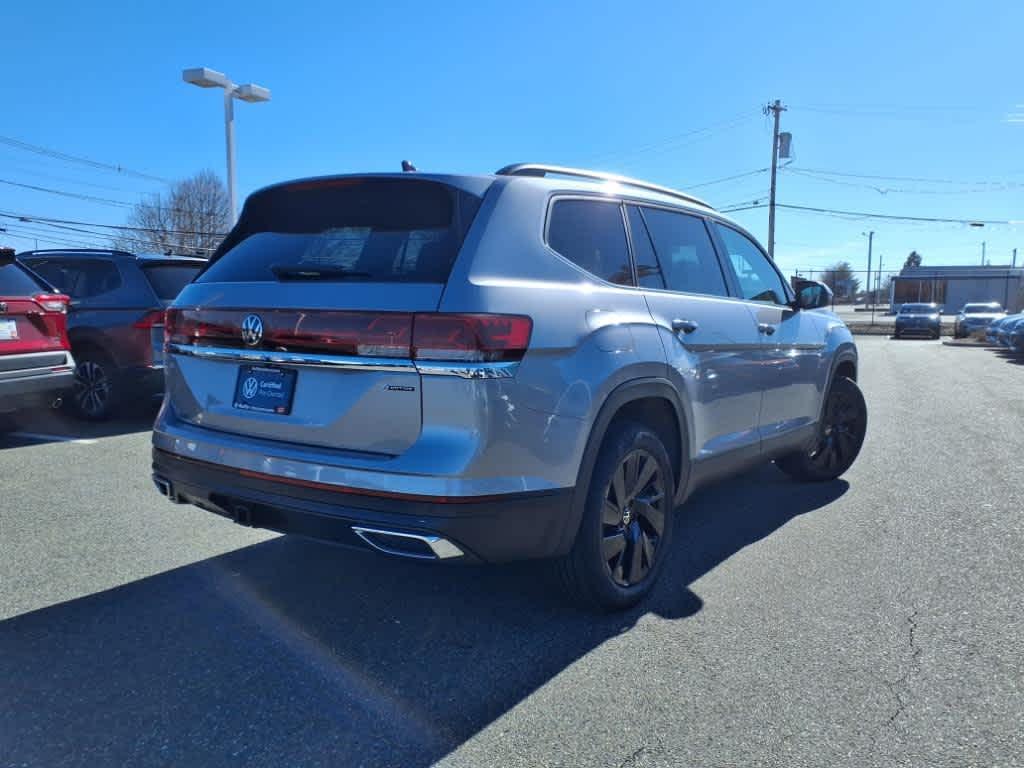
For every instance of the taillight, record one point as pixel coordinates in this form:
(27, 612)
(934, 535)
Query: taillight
(476, 338)
(52, 302)
(54, 317)
(150, 319)
(422, 336)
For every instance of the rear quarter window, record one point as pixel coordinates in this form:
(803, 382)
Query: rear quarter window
(591, 234)
(15, 281)
(167, 280)
(379, 230)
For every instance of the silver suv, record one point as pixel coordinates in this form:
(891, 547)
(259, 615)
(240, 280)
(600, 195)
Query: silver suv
(539, 363)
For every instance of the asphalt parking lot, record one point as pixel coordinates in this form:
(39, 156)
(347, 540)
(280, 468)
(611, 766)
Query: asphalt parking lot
(873, 621)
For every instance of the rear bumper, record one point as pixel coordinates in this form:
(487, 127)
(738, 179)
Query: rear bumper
(918, 330)
(32, 379)
(490, 529)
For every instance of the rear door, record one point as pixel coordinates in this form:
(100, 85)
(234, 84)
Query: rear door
(300, 329)
(711, 340)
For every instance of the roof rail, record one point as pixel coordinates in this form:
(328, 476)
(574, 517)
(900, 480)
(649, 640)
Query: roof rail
(540, 169)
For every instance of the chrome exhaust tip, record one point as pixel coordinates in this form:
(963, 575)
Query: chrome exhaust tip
(417, 546)
(165, 489)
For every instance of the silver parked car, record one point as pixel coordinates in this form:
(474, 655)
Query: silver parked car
(975, 318)
(539, 363)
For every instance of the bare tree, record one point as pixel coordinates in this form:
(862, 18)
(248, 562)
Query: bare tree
(190, 219)
(841, 279)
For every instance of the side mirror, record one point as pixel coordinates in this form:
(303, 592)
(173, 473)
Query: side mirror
(810, 294)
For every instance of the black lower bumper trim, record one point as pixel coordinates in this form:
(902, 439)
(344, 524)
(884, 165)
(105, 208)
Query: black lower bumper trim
(512, 527)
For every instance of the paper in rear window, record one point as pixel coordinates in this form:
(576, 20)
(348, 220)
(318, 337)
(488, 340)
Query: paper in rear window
(380, 230)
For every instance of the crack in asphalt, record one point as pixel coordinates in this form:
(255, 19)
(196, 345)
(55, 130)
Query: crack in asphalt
(631, 759)
(903, 681)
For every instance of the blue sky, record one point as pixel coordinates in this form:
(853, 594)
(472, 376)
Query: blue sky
(669, 91)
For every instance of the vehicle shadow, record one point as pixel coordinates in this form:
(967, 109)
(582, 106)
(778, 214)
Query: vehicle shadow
(290, 652)
(56, 425)
(1014, 358)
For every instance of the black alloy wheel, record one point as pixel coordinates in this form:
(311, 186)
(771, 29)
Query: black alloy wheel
(633, 518)
(95, 389)
(840, 436)
(625, 532)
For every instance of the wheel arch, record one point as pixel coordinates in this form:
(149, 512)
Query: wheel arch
(844, 363)
(649, 401)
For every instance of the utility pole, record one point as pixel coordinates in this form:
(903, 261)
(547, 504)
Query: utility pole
(878, 287)
(776, 109)
(871, 237)
(1013, 264)
(983, 253)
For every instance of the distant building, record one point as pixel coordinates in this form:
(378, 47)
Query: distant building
(952, 287)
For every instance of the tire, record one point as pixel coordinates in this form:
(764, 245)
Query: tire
(97, 390)
(620, 549)
(840, 436)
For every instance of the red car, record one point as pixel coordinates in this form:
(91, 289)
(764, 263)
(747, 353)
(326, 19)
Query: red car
(36, 366)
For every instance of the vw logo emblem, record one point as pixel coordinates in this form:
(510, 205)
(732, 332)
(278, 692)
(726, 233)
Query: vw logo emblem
(252, 330)
(249, 388)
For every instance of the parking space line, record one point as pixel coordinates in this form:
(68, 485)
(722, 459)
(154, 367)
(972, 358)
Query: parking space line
(38, 437)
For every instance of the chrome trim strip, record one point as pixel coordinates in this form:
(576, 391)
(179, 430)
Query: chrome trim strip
(468, 370)
(503, 370)
(442, 548)
(396, 365)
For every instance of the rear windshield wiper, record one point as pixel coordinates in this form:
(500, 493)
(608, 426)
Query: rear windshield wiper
(311, 272)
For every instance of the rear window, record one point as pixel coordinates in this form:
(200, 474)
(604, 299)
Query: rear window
(15, 281)
(379, 230)
(167, 280)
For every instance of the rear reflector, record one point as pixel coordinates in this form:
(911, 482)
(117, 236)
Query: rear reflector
(423, 336)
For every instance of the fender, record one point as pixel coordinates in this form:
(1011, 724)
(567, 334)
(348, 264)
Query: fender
(846, 352)
(627, 392)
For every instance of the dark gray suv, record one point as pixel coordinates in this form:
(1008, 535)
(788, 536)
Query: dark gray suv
(539, 363)
(115, 320)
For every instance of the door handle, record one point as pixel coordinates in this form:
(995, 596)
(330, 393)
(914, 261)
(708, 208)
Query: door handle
(686, 326)
(766, 329)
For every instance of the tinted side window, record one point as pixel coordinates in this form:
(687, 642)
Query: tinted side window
(648, 271)
(590, 234)
(80, 279)
(14, 281)
(685, 253)
(757, 278)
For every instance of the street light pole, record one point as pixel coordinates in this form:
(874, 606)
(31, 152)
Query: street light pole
(211, 78)
(229, 140)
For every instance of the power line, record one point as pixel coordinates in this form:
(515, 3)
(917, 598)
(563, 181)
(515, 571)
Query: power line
(104, 200)
(893, 217)
(884, 216)
(726, 178)
(119, 227)
(64, 156)
(75, 195)
(918, 179)
(679, 139)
